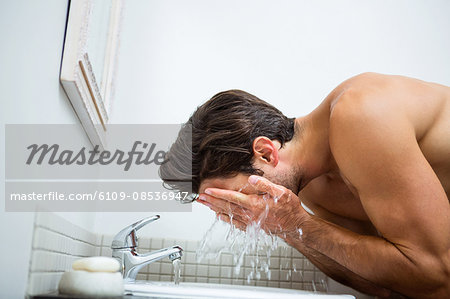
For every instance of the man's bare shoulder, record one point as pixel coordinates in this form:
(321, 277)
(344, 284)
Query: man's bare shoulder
(371, 84)
(372, 97)
(364, 83)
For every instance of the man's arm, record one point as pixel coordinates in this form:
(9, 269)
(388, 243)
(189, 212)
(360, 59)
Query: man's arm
(328, 265)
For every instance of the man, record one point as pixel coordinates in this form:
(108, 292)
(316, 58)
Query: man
(371, 162)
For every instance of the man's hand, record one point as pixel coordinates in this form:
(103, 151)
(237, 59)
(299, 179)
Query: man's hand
(275, 208)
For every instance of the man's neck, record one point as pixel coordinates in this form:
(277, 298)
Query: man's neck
(312, 148)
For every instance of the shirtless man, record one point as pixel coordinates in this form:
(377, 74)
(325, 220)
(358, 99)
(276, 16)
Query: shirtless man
(372, 162)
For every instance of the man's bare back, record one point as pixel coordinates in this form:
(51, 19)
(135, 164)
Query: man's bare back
(427, 109)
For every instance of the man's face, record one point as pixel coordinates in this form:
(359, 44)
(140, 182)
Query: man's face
(287, 178)
(236, 183)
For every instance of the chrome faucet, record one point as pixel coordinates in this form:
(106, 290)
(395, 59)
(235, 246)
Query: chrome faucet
(124, 250)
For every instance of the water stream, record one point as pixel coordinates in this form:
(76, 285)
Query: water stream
(254, 243)
(177, 270)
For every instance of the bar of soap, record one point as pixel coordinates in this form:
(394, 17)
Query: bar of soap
(91, 284)
(96, 264)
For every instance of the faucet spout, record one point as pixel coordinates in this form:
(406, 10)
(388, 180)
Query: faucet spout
(173, 253)
(133, 261)
(124, 250)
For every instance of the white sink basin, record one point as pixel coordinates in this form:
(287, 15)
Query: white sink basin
(210, 290)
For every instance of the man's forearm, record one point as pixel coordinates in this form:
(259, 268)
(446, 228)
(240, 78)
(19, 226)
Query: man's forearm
(367, 263)
(340, 273)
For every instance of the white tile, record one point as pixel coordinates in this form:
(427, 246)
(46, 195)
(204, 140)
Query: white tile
(107, 240)
(307, 286)
(44, 239)
(250, 282)
(85, 235)
(36, 261)
(285, 275)
(319, 276)
(202, 279)
(321, 287)
(154, 268)
(275, 275)
(192, 245)
(166, 268)
(297, 264)
(213, 280)
(202, 270)
(106, 251)
(307, 265)
(273, 284)
(264, 275)
(190, 258)
(190, 269)
(275, 252)
(98, 239)
(46, 261)
(189, 278)
(297, 254)
(225, 272)
(240, 274)
(274, 263)
(297, 276)
(285, 285)
(226, 259)
(225, 281)
(153, 277)
(214, 271)
(144, 243)
(214, 261)
(141, 276)
(166, 278)
(247, 272)
(308, 276)
(237, 281)
(250, 261)
(41, 283)
(285, 263)
(168, 243)
(285, 251)
(156, 243)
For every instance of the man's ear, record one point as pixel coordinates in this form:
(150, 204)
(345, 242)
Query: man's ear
(265, 151)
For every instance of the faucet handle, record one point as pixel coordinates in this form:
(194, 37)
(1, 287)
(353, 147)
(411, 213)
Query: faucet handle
(127, 237)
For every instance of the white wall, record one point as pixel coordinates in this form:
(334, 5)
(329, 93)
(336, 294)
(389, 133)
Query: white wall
(32, 34)
(177, 54)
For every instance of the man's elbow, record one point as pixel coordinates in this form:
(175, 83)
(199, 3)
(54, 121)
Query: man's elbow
(443, 279)
(435, 277)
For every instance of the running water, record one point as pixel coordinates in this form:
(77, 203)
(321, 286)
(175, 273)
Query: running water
(176, 270)
(254, 242)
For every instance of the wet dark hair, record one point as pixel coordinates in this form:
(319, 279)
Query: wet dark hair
(217, 140)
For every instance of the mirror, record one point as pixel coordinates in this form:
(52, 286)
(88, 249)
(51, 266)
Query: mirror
(90, 60)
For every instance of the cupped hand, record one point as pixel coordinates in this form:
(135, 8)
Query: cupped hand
(275, 208)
